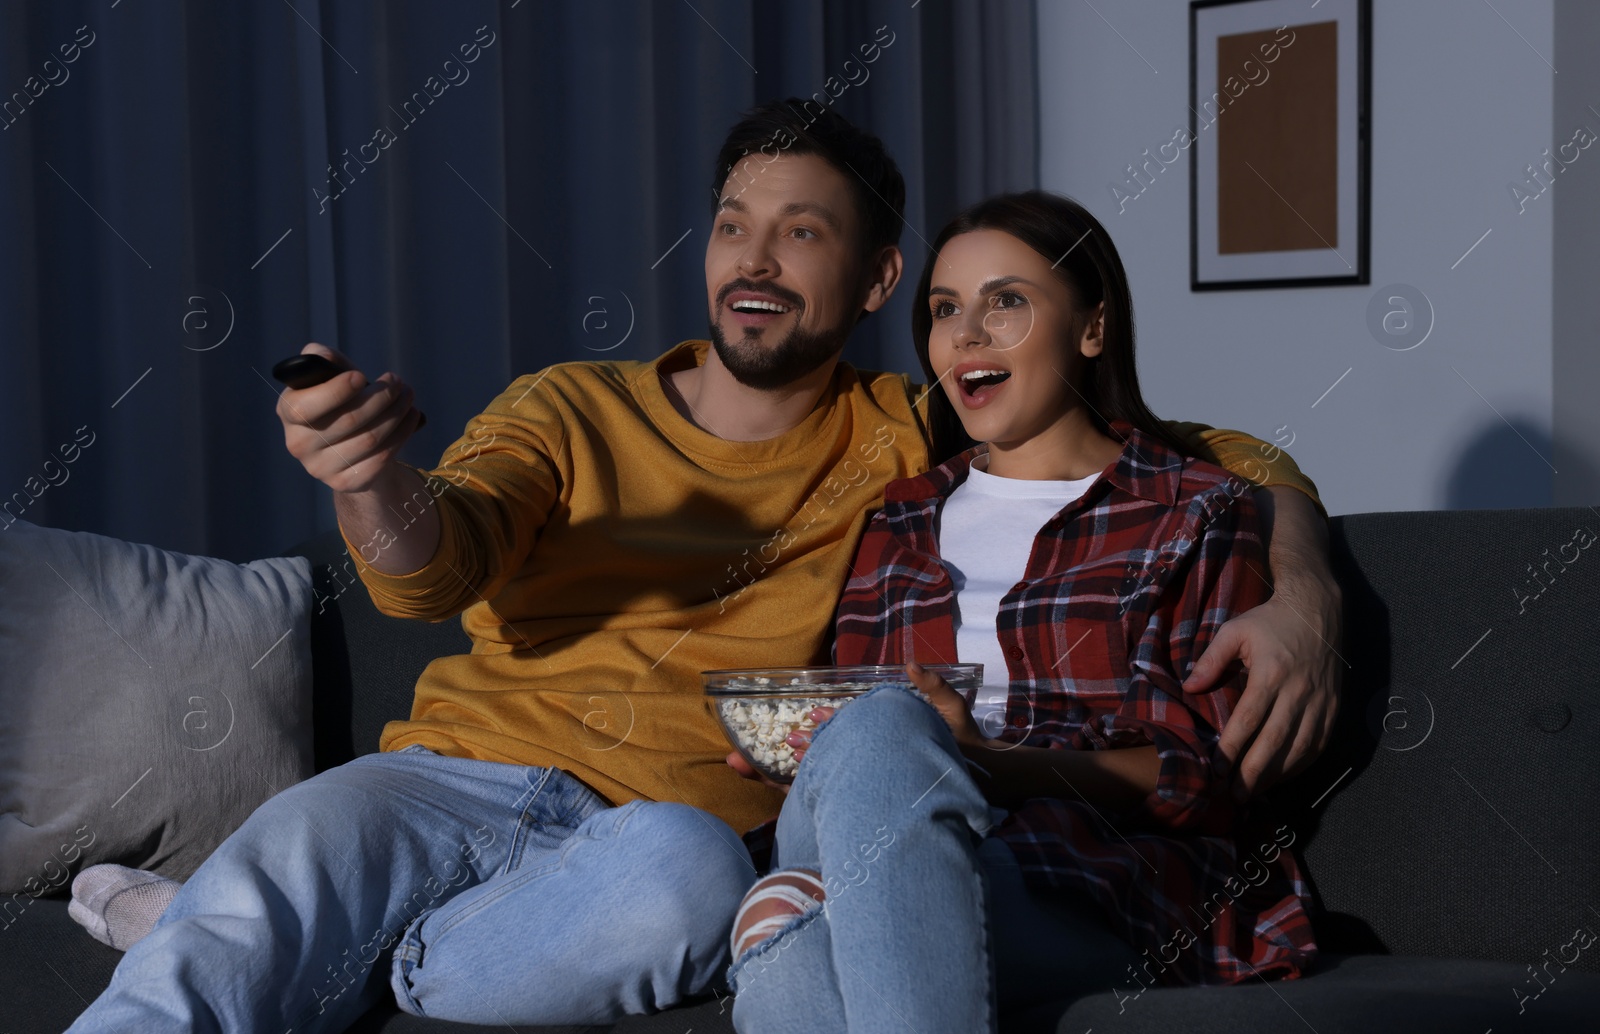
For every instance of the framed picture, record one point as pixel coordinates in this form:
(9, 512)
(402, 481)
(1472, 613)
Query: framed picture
(1278, 122)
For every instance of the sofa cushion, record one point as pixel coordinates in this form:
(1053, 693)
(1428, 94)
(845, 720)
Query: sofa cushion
(1344, 995)
(152, 700)
(53, 968)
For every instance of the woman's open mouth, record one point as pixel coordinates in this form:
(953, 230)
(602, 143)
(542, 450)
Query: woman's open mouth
(980, 384)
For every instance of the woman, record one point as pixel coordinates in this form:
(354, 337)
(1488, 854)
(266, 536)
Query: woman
(1087, 843)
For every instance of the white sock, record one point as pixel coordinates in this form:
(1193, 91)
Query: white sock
(119, 905)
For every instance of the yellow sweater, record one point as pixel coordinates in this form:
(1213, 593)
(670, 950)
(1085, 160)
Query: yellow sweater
(602, 551)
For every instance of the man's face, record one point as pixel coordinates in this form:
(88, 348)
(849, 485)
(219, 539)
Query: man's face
(784, 269)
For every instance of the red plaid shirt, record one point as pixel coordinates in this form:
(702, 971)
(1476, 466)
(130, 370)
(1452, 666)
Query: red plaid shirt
(1123, 591)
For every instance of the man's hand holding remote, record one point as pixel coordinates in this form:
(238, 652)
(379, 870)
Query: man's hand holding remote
(346, 432)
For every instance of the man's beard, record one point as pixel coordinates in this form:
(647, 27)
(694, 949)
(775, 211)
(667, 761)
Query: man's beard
(768, 368)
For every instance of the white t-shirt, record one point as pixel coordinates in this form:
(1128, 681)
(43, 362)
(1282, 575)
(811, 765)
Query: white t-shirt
(987, 528)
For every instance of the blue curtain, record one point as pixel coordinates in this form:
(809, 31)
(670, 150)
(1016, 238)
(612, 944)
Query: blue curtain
(460, 192)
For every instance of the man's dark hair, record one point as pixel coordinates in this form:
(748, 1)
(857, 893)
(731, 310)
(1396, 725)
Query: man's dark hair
(796, 126)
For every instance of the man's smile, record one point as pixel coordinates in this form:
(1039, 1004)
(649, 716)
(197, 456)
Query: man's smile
(755, 308)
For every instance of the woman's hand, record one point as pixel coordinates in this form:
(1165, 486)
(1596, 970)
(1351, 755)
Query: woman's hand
(800, 739)
(952, 707)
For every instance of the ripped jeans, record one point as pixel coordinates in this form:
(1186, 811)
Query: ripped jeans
(927, 924)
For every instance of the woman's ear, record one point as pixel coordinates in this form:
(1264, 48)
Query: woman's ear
(1094, 333)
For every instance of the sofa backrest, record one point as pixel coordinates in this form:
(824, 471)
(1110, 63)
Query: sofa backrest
(365, 664)
(1455, 813)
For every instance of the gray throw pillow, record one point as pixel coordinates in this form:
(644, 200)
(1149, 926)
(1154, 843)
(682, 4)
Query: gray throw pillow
(149, 702)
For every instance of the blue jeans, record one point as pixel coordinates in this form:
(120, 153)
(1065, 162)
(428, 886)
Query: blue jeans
(927, 924)
(461, 889)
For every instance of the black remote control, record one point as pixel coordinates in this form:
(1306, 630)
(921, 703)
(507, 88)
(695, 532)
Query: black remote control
(308, 369)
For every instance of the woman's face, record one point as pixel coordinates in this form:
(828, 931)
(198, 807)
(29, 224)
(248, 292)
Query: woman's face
(1001, 340)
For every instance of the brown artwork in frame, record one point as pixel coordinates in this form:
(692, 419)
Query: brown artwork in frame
(1278, 117)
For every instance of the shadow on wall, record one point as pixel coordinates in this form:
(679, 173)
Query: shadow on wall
(1504, 466)
(1578, 484)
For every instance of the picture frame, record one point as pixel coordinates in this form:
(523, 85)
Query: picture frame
(1280, 189)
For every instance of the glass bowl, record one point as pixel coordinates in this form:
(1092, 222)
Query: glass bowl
(759, 707)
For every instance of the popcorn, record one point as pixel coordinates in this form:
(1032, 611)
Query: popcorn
(759, 725)
(759, 707)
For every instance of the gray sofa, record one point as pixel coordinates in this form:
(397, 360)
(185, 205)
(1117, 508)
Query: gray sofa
(1450, 831)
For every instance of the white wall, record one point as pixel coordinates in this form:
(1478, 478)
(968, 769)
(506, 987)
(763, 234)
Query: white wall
(1460, 104)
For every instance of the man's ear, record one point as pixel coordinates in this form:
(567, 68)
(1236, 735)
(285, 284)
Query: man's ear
(1094, 333)
(883, 273)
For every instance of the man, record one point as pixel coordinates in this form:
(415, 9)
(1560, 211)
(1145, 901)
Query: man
(550, 837)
